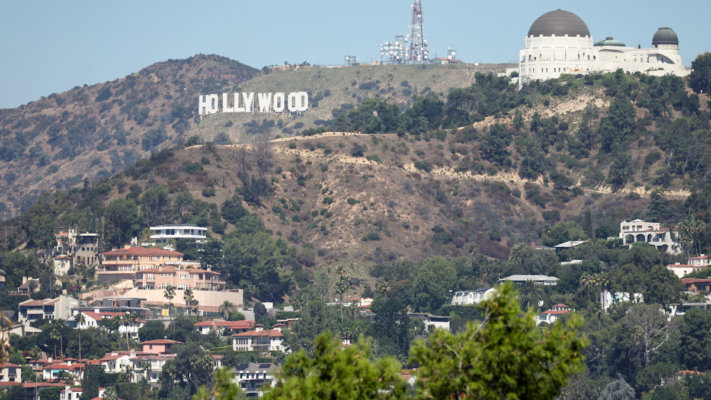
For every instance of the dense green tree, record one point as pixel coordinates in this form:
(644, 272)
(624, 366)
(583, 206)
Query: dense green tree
(155, 204)
(618, 390)
(663, 287)
(315, 318)
(120, 222)
(151, 330)
(233, 211)
(696, 339)
(700, 78)
(619, 125)
(434, 279)
(392, 326)
(494, 144)
(334, 372)
(90, 382)
(535, 365)
(190, 369)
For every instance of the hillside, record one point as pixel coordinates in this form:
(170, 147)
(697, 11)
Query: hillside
(92, 132)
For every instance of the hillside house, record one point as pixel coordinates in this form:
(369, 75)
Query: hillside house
(149, 367)
(159, 346)
(648, 232)
(253, 377)
(126, 262)
(433, 322)
(79, 248)
(607, 298)
(116, 362)
(693, 264)
(271, 340)
(536, 279)
(54, 309)
(74, 393)
(469, 297)
(552, 315)
(179, 278)
(10, 372)
(697, 285)
(221, 327)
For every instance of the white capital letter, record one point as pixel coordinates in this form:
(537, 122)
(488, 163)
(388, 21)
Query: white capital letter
(265, 100)
(291, 104)
(210, 103)
(248, 100)
(203, 104)
(225, 105)
(237, 107)
(302, 101)
(279, 102)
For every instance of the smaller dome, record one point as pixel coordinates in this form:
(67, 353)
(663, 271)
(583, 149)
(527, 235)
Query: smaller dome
(665, 36)
(610, 41)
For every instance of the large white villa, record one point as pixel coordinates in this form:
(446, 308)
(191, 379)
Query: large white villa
(559, 42)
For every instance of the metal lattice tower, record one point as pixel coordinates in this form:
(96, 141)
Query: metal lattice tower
(418, 44)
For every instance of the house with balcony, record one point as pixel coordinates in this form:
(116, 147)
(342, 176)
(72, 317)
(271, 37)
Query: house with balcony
(116, 362)
(54, 309)
(51, 372)
(10, 372)
(179, 278)
(109, 307)
(469, 297)
(195, 235)
(253, 378)
(221, 327)
(648, 232)
(552, 315)
(149, 367)
(119, 264)
(271, 340)
(79, 248)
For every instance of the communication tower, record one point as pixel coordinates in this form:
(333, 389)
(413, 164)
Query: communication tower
(351, 60)
(394, 52)
(418, 44)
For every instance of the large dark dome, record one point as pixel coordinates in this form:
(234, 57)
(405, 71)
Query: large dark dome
(559, 23)
(665, 36)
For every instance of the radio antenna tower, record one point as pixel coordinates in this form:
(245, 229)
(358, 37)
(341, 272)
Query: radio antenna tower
(418, 43)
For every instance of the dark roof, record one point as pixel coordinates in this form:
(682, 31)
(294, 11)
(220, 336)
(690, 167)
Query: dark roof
(665, 36)
(559, 23)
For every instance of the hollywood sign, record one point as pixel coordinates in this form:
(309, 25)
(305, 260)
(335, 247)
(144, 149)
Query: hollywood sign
(297, 102)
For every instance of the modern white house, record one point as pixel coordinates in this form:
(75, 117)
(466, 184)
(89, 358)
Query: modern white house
(271, 340)
(433, 322)
(536, 279)
(116, 362)
(252, 377)
(58, 308)
(648, 232)
(607, 298)
(164, 233)
(469, 297)
(559, 42)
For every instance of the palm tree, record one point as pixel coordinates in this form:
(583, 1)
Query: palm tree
(79, 318)
(384, 288)
(547, 229)
(36, 353)
(54, 335)
(587, 281)
(60, 324)
(516, 254)
(530, 292)
(190, 301)
(226, 308)
(169, 294)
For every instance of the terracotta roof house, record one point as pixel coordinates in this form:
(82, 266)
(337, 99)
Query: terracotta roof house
(159, 346)
(553, 314)
(124, 263)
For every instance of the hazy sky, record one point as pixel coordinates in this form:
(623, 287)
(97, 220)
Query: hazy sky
(52, 46)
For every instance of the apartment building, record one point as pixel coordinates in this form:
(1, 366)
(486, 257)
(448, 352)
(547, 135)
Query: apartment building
(54, 309)
(119, 264)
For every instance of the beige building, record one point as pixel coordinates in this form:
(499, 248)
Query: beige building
(123, 263)
(54, 309)
(10, 372)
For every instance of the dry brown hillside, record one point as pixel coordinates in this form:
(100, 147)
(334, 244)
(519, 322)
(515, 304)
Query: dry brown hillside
(378, 207)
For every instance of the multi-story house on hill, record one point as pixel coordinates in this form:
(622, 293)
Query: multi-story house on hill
(119, 264)
(648, 232)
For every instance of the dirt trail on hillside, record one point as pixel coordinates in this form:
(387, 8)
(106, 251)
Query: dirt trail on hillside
(506, 177)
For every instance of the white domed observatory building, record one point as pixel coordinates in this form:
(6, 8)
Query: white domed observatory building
(560, 42)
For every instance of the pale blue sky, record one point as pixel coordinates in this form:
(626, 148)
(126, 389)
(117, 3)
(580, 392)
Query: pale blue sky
(51, 46)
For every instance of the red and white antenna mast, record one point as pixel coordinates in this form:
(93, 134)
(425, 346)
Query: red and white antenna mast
(418, 44)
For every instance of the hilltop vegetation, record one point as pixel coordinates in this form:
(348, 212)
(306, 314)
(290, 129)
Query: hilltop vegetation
(93, 132)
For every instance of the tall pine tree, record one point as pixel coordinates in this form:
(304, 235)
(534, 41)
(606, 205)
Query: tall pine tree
(588, 225)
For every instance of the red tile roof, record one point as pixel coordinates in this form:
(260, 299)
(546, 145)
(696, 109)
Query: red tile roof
(10, 383)
(92, 315)
(244, 324)
(9, 365)
(700, 257)
(42, 384)
(694, 280)
(550, 312)
(685, 266)
(142, 251)
(270, 333)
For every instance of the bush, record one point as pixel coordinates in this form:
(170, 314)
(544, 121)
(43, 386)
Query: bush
(371, 237)
(327, 200)
(423, 166)
(204, 161)
(191, 168)
(374, 157)
(209, 192)
(104, 95)
(352, 201)
(358, 150)
(495, 236)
